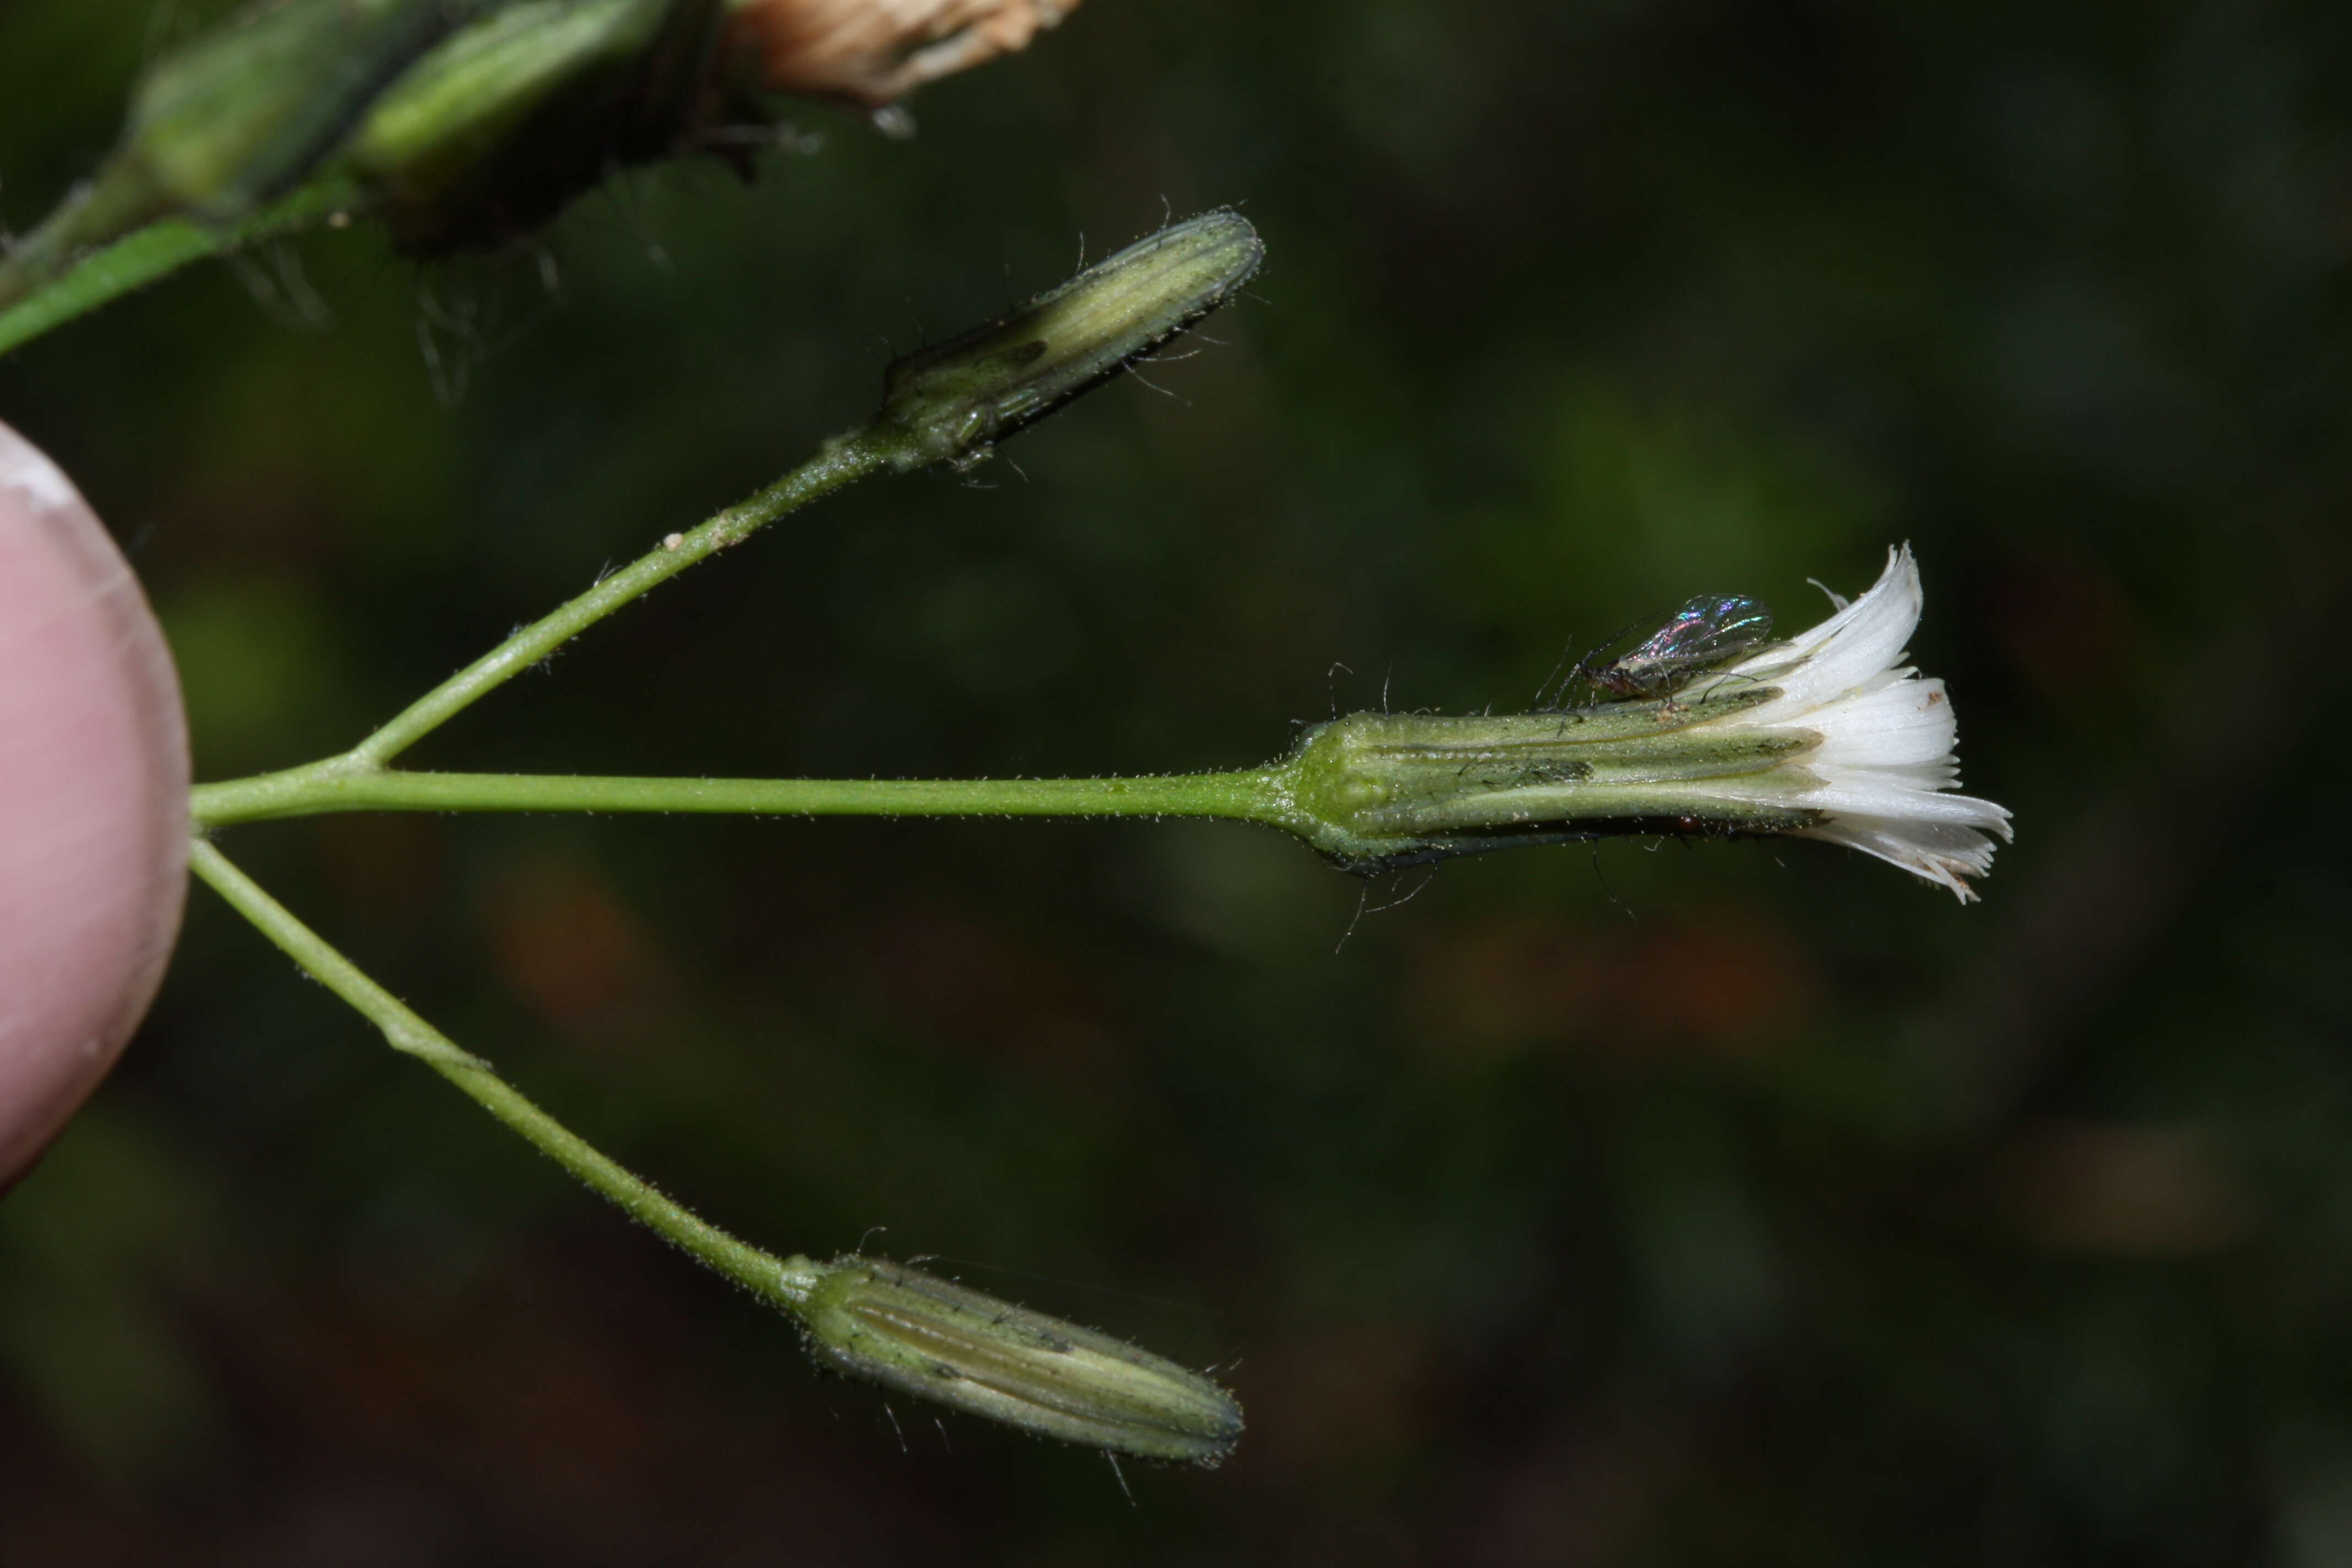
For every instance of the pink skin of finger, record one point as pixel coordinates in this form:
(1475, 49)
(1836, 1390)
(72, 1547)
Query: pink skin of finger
(93, 802)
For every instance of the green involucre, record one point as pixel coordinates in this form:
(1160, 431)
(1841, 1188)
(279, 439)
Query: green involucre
(954, 401)
(945, 1342)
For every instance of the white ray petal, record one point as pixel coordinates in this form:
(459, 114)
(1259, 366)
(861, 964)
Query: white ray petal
(1883, 764)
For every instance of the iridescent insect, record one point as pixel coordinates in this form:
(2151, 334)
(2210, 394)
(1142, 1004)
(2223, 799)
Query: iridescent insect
(1712, 629)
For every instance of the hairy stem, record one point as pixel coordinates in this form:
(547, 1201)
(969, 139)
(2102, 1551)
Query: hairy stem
(843, 459)
(1253, 796)
(39, 292)
(783, 1281)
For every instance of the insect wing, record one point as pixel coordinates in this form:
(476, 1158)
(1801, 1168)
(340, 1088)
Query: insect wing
(1708, 630)
(1739, 624)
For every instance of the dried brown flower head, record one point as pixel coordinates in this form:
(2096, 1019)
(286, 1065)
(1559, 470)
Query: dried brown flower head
(872, 52)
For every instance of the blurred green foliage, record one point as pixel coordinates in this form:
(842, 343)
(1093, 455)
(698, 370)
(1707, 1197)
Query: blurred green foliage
(1742, 1203)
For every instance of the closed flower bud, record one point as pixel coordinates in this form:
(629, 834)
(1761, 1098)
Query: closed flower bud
(233, 118)
(925, 1335)
(952, 401)
(488, 136)
(1826, 735)
(242, 113)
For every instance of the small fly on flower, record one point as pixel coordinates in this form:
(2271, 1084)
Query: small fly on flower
(1712, 629)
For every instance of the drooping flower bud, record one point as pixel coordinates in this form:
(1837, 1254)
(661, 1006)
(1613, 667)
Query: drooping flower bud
(932, 1337)
(954, 401)
(1827, 735)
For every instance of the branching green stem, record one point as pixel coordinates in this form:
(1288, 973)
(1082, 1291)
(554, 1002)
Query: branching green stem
(361, 780)
(1032, 1372)
(783, 1281)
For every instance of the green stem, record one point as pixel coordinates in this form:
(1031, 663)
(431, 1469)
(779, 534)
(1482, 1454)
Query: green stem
(783, 1281)
(1255, 796)
(843, 459)
(40, 290)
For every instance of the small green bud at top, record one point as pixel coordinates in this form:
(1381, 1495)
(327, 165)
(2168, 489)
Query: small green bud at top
(932, 1337)
(952, 402)
(492, 132)
(243, 112)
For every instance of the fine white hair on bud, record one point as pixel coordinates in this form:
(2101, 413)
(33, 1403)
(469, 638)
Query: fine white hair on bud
(941, 1340)
(1881, 775)
(952, 401)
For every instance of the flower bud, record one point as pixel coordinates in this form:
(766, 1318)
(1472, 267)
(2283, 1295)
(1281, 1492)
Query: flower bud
(952, 401)
(925, 1335)
(488, 135)
(241, 114)
(233, 118)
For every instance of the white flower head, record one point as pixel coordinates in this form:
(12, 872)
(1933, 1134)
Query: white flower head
(1883, 771)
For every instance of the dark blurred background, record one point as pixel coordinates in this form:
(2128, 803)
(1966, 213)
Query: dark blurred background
(1741, 1203)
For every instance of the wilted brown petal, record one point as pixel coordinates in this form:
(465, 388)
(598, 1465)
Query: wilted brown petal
(871, 52)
